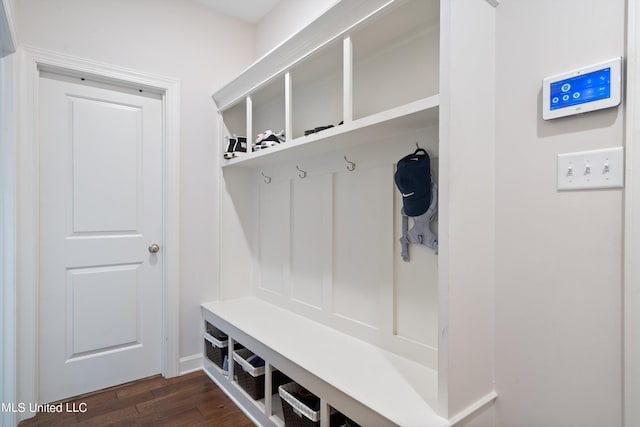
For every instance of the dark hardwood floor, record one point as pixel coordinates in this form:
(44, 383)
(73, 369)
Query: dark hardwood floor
(188, 400)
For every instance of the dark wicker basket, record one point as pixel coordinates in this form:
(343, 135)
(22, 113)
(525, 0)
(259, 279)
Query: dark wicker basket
(254, 385)
(294, 419)
(215, 332)
(215, 354)
(250, 378)
(291, 419)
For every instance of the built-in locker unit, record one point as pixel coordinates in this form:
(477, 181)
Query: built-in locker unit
(311, 278)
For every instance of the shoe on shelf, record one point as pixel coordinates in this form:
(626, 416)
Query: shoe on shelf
(235, 145)
(268, 139)
(319, 129)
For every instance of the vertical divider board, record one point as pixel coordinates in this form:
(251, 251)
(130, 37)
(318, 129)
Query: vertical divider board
(325, 413)
(288, 105)
(268, 379)
(231, 363)
(249, 103)
(347, 108)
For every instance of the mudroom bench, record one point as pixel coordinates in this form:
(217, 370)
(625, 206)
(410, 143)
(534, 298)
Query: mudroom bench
(370, 385)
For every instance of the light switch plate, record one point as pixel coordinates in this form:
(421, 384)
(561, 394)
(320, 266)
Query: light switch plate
(591, 169)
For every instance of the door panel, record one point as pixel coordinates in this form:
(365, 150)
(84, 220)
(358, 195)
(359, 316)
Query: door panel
(106, 143)
(103, 308)
(100, 290)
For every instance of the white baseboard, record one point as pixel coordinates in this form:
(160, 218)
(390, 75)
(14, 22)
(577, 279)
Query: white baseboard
(190, 363)
(489, 399)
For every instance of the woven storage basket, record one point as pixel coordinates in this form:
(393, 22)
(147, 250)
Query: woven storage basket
(215, 349)
(215, 332)
(250, 378)
(298, 414)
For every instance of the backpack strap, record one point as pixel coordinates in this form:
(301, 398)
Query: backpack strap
(421, 232)
(404, 240)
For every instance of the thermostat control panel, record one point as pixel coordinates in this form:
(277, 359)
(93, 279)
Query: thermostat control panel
(590, 88)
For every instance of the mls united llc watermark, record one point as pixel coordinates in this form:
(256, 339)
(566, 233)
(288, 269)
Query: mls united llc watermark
(79, 407)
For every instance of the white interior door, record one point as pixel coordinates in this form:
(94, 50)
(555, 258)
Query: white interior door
(100, 208)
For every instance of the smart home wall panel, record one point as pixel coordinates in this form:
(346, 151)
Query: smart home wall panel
(589, 88)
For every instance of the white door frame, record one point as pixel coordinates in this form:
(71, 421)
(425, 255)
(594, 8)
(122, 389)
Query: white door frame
(7, 29)
(631, 291)
(32, 61)
(7, 209)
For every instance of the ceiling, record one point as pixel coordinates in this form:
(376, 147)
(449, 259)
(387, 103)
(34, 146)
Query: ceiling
(250, 11)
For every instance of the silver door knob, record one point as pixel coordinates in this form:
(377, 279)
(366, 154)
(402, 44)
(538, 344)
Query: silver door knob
(154, 249)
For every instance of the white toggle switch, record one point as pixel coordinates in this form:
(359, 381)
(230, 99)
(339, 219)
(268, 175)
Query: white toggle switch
(591, 169)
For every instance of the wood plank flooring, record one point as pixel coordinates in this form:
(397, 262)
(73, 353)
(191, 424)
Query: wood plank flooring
(188, 400)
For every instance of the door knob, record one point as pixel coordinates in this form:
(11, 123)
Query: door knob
(154, 249)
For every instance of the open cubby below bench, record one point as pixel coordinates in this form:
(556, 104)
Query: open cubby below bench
(372, 386)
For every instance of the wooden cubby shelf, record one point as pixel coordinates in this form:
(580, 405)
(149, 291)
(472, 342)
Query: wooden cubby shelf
(310, 273)
(409, 117)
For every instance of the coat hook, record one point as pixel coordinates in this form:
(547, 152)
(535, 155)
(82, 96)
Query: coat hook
(351, 166)
(267, 179)
(419, 149)
(303, 174)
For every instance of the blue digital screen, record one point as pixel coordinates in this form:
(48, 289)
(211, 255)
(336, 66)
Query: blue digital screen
(576, 90)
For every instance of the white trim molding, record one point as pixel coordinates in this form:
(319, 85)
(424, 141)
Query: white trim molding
(471, 410)
(191, 363)
(8, 148)
(8, 40)
(32, 61)
(631, 292)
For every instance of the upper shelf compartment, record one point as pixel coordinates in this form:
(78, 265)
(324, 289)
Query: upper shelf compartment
(268, 108)
(317, 90)
(396, 58)
(330, 26)
(373, 79)
(388, 124)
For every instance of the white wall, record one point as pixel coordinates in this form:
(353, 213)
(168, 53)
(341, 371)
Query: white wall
(558, 254)
(179, 39)
(285, 19)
